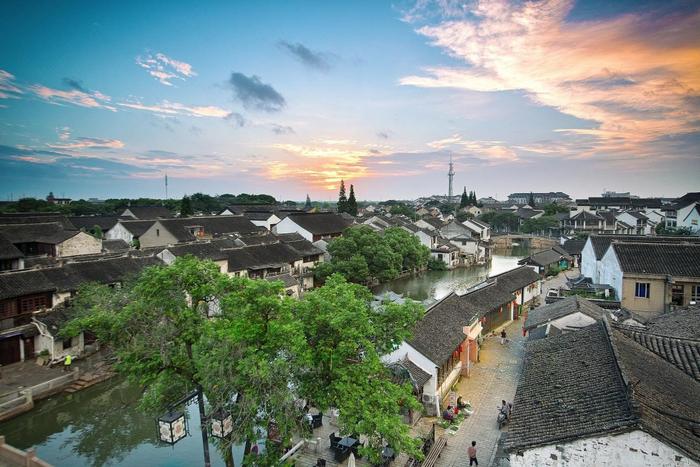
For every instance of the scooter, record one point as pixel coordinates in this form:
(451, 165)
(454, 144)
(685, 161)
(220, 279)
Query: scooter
(503, 415)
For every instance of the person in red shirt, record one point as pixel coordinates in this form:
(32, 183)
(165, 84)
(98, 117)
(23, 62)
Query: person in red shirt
(472, 454)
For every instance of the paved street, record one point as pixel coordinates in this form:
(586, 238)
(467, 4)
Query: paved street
(493, 379)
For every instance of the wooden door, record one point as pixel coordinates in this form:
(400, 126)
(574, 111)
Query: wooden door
(9, 350)
(28, 347)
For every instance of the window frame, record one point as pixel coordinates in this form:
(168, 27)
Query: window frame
(638, 288)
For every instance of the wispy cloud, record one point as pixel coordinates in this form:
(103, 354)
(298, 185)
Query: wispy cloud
(175, 108)
(87, 143)
(254, 94)
(281, 129)
(92, 99)
(310, 58)
(635, 76)
(491, 151)
(164, 68)
(8, 88)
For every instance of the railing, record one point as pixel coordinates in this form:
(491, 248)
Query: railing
(15, 457)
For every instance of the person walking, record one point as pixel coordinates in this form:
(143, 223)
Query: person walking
(472, 454)
(503, 336)
(67, 362)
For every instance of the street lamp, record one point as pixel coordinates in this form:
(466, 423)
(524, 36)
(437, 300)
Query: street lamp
(172, 427)
(221, 424)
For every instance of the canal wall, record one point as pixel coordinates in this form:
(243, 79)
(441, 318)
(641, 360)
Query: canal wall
(535, 243)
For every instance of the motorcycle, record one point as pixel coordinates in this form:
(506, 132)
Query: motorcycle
(503, 415)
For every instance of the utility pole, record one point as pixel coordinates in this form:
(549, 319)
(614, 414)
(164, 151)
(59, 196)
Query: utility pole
(166, 186)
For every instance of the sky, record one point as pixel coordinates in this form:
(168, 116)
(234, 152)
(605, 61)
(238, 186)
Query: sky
(103, 99)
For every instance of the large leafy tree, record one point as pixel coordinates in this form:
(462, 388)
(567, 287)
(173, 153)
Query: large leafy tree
(346, 338)
(501, 221)
(414, 255)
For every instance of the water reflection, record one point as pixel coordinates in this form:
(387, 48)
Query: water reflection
(102, 426)
(434, 285)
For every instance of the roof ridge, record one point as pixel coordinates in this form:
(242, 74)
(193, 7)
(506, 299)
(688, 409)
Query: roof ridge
(631, 402)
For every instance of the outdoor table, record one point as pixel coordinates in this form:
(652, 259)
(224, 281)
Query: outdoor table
(347, 442)
(388, 453)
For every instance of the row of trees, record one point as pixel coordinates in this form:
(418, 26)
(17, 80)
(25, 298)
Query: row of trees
(347, 204)
(260, 348)
(468, 199)
(198, 202)
(363, 255)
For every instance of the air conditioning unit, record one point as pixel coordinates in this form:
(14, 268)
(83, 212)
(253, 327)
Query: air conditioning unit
(427, 398)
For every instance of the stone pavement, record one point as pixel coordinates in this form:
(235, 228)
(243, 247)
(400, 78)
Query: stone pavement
(493, 378)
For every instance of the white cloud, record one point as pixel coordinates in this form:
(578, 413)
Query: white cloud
(164, 68)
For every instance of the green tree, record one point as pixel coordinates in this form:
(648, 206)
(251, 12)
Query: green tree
(97, 232)
(414, 254)
(352, 202)
(435, 264)
(346, 339)
(463, 216)
(186, 207)
(541, 225)
(307, 205)
(342, 198)
(403, 209)
(501, 221)
(552, 209)
(531, 200)
(464, 201)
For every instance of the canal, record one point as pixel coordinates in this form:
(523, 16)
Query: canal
(102, 425)
(435, 285)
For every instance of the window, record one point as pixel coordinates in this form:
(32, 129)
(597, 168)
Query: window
(67, 344)
(677, 295)
(695, 295)
(157, 232)
(641, 289)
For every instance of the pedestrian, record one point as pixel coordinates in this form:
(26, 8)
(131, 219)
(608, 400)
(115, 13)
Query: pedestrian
(472, 454)
(503, 336)
(67, 362)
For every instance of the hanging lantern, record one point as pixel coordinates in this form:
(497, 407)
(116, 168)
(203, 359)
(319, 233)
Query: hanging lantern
(172, 427)
(221, 424)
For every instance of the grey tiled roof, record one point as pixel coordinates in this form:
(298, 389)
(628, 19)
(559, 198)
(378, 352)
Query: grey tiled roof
(683, 353)
(261, 256)
(35, 218)
(321, 223)
(417, 374)
(212, 225)
(544, 258)
(575, 304)
(570, 388)
(50, 233)
(574, 246)
(598, 381)
(149, 212)
(136, 227)
(601, 243)
(114, 246)
(516, 279)
(8, 250)
(213, 250)
(659, 258)
(683, 323)
(286, 279)
(89, 222)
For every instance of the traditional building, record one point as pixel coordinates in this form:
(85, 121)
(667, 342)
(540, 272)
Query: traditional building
(598, 397)
(566, 315)
(146, 212)
(50, 239)
(313, 226)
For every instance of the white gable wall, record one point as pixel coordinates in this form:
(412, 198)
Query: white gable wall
(610, 271)
(119, 232)
(635, 448)
(287, 225)
(589, 264)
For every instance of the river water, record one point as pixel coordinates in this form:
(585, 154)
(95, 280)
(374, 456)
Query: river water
(434, 285)
(102, 425)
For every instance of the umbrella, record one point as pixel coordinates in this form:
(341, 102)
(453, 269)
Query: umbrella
(351, 460)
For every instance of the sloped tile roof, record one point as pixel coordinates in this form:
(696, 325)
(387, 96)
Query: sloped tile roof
(599, 381)
(321, 223)
(516, 279)
(659, 258)
(570, 305)
(215, 249)
(136, 227)
(544, 258)
(35, 218)
(417, 374)
(8, 250)
(212, 225)
(683, 323)
(570, 388)
(262, 256)
(149, 212)
(601, 243)
(89, 222)
(574, 246)
(50, 233)
(114, 246)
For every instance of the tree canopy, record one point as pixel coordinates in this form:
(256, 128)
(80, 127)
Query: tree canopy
(351, 206)
(501, 221)
(342, 198)
(362, 255)
(188, 325)
(186, 207)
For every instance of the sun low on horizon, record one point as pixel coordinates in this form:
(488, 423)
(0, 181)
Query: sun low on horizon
(289, 98)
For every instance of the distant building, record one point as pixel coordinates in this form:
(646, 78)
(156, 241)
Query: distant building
(540, 198)
(146, 212)
(51, 199)
(684, 212)
(314, 226)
